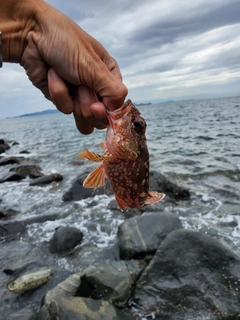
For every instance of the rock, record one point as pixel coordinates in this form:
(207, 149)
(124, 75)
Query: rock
(142, 235)
(23, 314)
(11, 176)
(63, 301)
(44, 180)
(23, 257)
(191, 275)
(16, 229)
(24, 152)
(3, 146)
(65, 239)
(2, 149)
(28, 170)
(15, 143)
(30, 280)
(113, 281)
(158, 182)
(70, 308)
(11, 160)
(6, 213)
(78, 192)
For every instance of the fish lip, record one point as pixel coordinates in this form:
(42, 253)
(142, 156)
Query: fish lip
(118, 113)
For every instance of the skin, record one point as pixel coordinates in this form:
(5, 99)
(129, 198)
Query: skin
(71, 68)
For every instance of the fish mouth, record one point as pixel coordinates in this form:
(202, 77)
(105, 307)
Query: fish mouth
(127, 107)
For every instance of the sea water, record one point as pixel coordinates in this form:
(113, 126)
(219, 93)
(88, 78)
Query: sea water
(196, 144)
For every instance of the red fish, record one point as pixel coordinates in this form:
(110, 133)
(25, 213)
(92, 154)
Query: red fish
(125, 161)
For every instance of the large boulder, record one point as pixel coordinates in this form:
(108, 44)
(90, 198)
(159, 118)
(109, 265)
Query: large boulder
(78, 192)
(142, 235)
(89, 294)
(160, 183)
(113, 281)
(191, 275)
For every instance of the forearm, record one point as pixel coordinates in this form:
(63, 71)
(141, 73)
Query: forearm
(17, 19)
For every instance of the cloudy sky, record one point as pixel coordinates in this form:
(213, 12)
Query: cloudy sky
(166, 49)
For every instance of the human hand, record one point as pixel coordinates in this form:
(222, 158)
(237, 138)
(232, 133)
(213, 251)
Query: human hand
(71, 68)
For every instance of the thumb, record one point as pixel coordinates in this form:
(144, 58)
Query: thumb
(109, 87)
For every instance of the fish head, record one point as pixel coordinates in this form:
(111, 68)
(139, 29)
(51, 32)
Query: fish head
(126, 132)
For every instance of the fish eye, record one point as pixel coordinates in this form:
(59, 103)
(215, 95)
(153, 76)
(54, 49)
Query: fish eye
(137, 124)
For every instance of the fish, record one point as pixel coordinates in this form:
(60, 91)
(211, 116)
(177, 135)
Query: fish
(125, 159)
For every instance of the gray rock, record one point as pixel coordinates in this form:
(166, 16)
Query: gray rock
(142, 235)
(23, 314)
(78, 192)
(44, 180)
(83, 309)
(65, 239)
(11, 176)
(112, 281)
(28, 170)
(11, 160)
(191, 275)
(160, 183)
(6, 213)
(3, 146)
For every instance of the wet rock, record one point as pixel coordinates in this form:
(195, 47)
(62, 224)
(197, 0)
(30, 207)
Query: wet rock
(78, 192)
(64, 301)
(11, 160)
(6, 213)
(113, 281)
(24, 314)
(3, 146)
(30, 280)
(44, 180)
(160, 183)
(83, 309)
(24, 152)
(16, 229)
(11, 176)
(142, 235)
(28, 170)
(15, 143)
(65, 239)
(23, 258)
(191, 275)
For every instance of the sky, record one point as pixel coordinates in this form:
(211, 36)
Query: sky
(166, 50)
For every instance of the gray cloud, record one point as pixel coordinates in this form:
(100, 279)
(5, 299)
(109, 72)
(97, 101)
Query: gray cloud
(166, 49)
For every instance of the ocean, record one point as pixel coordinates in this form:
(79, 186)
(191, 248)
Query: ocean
(196, 144)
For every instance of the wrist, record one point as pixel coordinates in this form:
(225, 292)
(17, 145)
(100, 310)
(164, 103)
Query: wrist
(17, 19)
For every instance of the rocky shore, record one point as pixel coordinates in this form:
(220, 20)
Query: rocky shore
(156, 269)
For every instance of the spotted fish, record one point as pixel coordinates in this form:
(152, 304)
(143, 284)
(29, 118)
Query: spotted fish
(125, 161)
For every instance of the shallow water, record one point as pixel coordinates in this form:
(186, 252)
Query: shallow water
(195, 143)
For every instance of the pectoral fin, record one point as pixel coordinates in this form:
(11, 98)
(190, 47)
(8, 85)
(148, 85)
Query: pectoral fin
(96, 178)
(92, 156)
(154, 197)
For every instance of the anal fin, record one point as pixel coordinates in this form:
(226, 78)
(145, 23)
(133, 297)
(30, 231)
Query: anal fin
(96, 178)
(154, 197)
